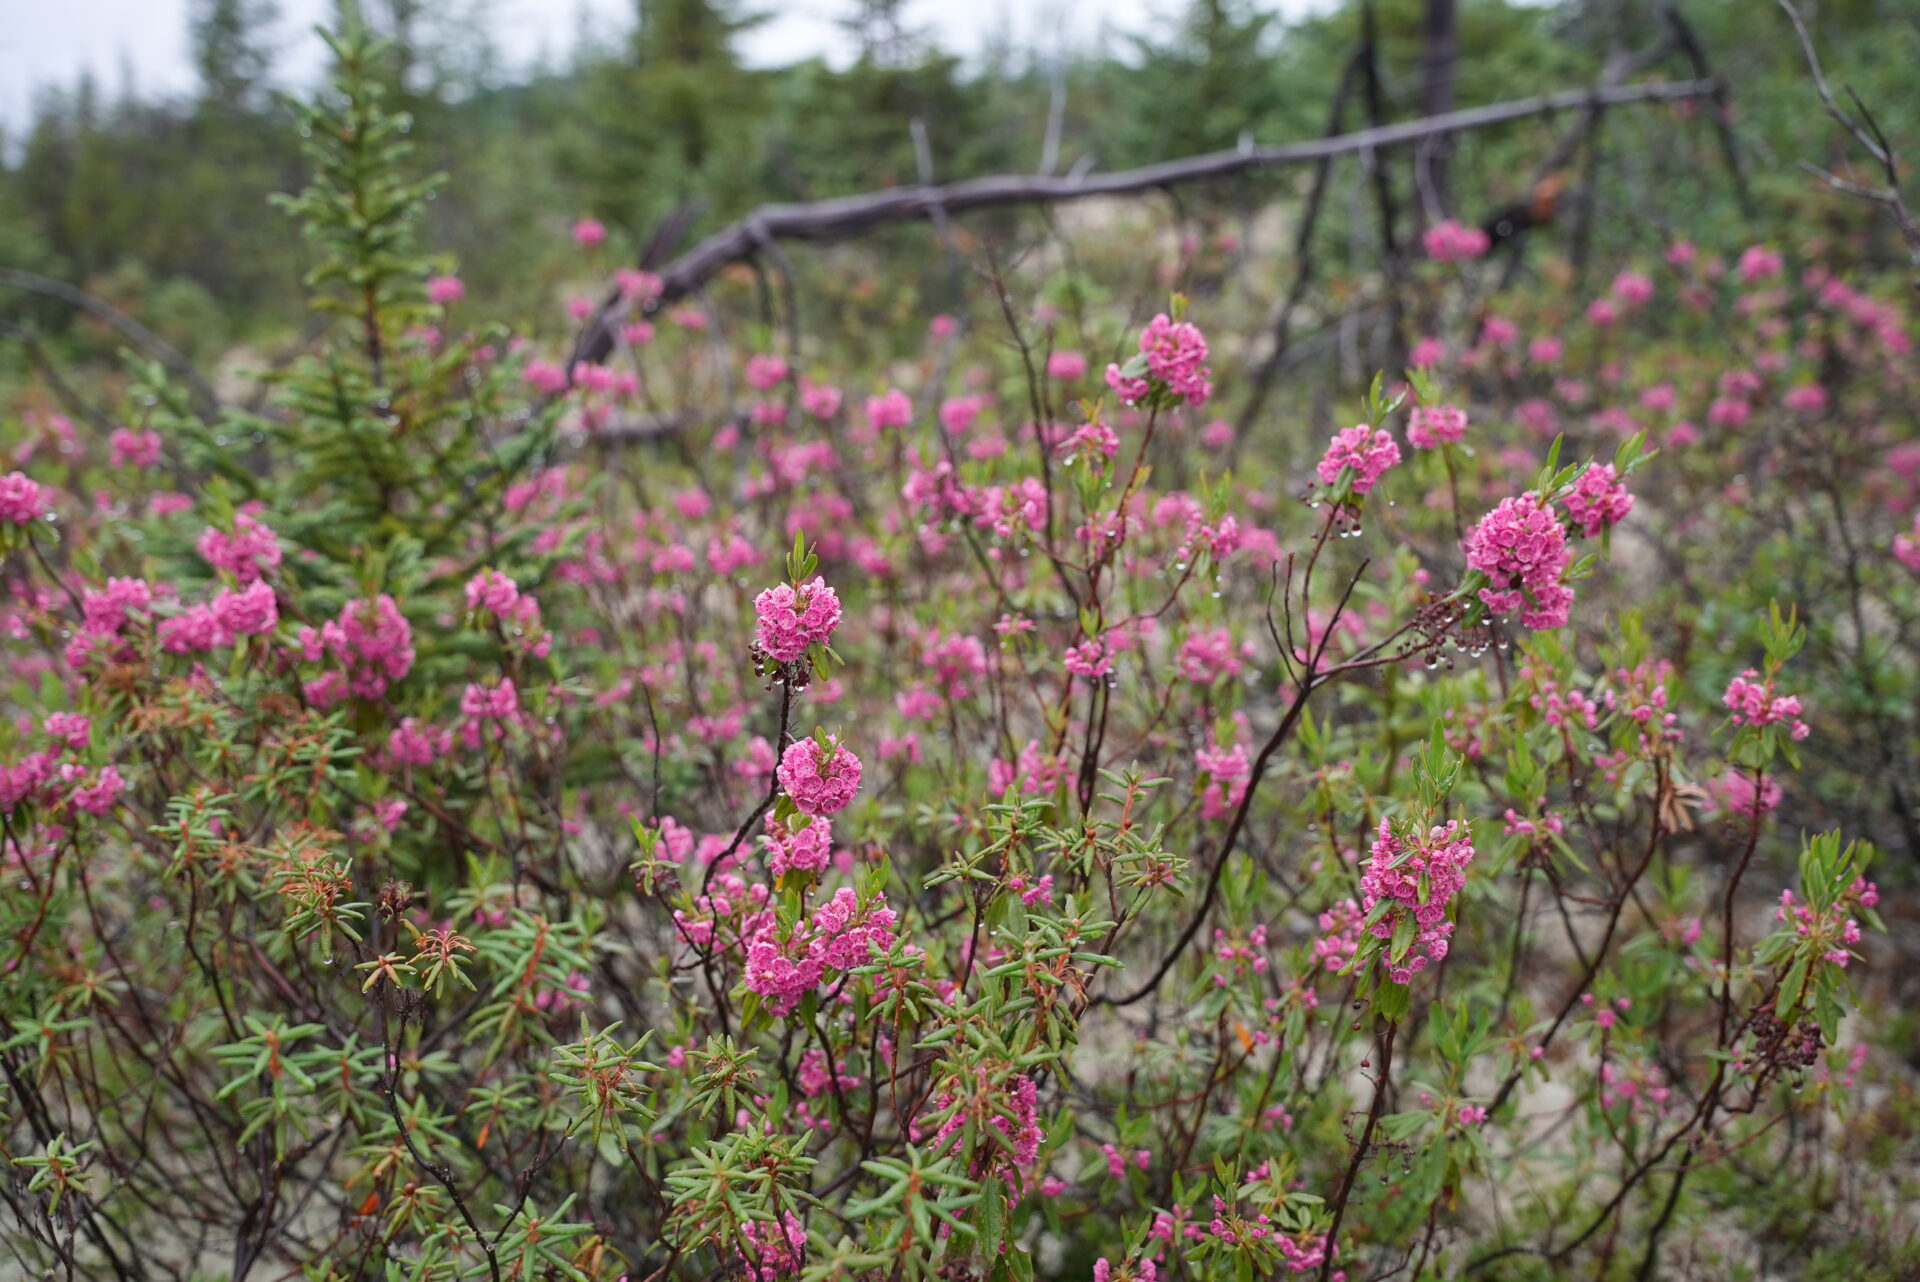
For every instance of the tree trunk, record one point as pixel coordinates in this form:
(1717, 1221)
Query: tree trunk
(1439, 58)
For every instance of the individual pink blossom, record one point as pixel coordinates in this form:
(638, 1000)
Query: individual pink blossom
(413, 743)
(792, 619)
(1598, 500)
(819, 783)
(957, 413)
(818, 400)
(589, 232)
(1432, 426)
(1427, 353)
(1369, 452)
(445, 289)
(489, 711)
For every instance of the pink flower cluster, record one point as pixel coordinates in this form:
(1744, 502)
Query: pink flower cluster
(772, 1250)
(371, 640)
(1419, 880)
(890, 411)
(105, 613)
(839, 936)
(1598, 500)
(1522, 547)
(808, 848)
(247, 553)
(1367, 451)
(819, 784)
(133, 449)
(1142, 1271)
(21, 502)
(1176, 353)
(252, 611)
(1754, 703)
(517, 611)
(1301, 1253)
(1747, 794)
(45, 776)
(792, 619)
(1450, 242)
(1339, 939)
(488, 712)
(1229, 772)
(1091, 659)
(1906, 547)
(1018, 1124)
(1432, 426)
(1834, 928)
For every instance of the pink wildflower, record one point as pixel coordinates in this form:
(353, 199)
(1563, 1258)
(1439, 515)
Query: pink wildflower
(819, 783)
(1598, 500)
(793, 619)
(1522, 547)
(1367, 451)
(1435, 425)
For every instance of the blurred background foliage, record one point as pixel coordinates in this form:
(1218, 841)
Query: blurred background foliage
(161, 206)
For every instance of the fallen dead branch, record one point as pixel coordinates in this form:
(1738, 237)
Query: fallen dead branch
(840, 217)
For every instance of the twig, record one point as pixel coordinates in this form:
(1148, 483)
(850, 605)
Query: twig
(1866, 132)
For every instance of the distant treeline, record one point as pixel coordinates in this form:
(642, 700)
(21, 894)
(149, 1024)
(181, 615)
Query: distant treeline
(162, 205)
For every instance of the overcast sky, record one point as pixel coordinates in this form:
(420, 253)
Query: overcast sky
(51, 42)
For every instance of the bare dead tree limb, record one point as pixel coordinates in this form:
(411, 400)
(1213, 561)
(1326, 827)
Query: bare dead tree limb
(1867, 133)
(205, 403)
(50, 371)
(841, 217)
(1385, 204)
(1303, 263)
(1696, 54)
